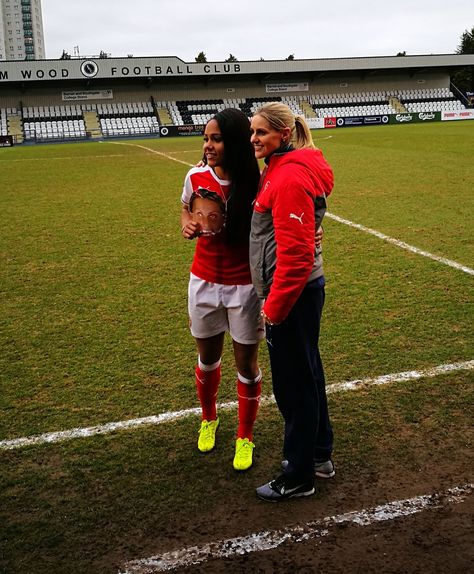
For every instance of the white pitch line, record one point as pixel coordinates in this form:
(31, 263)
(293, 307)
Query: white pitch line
(82, 157)
(178, 151)
(270, 539)
(151, 150)
(61, 436)
(402, 244)
(401, 377)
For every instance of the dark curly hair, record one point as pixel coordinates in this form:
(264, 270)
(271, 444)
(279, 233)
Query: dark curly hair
(206, 194)
(242, 168)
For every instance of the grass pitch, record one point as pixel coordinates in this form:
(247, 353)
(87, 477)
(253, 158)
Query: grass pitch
(93, 329)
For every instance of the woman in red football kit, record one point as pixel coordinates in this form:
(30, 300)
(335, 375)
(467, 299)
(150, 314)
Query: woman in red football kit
(288, 276)
(217, 203)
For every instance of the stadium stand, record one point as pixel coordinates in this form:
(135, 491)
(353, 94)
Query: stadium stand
(127, 109)
(140, 125)
(136, 97)
(198, 112)
(294, 103)
(431, 100)
(195, 112)
(42, 113)
(73, 122)
(127, 119)
(3, 123)
(54, 130)
(251, 105)
(352, 104)
(384, 102)
(43, 123)
(144, 118)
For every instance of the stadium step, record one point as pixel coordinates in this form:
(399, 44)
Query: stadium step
(15, 127)
(164, 117)
(308, 110)
(397, 104)
(91, 122)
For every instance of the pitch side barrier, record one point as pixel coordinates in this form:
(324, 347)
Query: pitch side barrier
(186, 130)
(401, 118)
(345, 122)
(6, 141)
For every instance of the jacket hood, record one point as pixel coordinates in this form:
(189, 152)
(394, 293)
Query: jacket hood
(312, 163)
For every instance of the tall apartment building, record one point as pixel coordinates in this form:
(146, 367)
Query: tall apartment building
(21, 30)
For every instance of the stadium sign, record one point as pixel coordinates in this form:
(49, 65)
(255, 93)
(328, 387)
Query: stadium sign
(427, 116)
(415, 117)
(107, 68)
(79, 95)
(287, 87)
(315, 123)
(401, 118)
(149, 71)
(457, 115)
(6, 141)
(330, 122)
(187, 130)
(352, 121)
(21, 74)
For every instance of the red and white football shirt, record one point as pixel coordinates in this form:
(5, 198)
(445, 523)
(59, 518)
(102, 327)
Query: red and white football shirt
(214, 260)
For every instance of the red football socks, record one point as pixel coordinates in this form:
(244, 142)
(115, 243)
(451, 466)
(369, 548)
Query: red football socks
(249, 399)
(207, 384)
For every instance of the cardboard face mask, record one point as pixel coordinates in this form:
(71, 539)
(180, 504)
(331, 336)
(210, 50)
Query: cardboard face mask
(208, 210)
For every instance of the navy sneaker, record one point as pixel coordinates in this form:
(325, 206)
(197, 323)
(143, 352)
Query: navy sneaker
(323, 469)
(281, 489)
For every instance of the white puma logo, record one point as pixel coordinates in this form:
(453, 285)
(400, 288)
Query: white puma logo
(300, 218)
(202, 381)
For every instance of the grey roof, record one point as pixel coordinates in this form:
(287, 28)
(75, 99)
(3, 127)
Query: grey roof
(173, 67)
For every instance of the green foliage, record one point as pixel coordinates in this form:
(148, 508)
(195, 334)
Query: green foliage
(466, 45)
(464, 79)
(231, 58)
(201, 58)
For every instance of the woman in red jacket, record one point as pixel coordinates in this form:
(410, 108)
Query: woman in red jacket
(288, 275)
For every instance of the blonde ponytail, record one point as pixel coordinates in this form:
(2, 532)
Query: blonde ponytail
(280, 116)
(303, 137)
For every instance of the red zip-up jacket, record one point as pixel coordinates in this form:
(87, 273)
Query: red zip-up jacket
(283, 257)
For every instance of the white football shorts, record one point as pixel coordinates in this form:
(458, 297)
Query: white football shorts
(214, 308)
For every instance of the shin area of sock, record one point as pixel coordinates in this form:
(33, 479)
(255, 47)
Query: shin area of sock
(207, 385)
(249, 399)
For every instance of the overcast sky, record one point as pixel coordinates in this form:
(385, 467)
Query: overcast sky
(254, 29)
